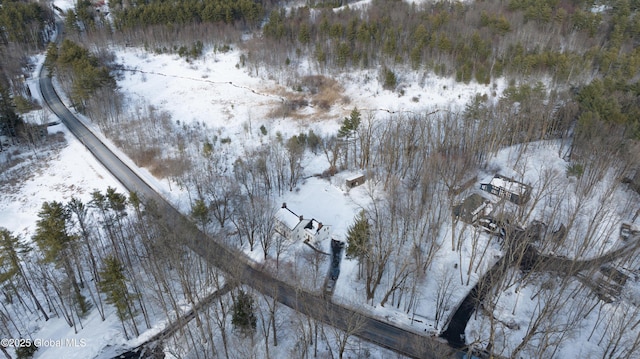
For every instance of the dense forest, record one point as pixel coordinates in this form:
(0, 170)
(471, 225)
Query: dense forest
(572, 68)
(140, 14)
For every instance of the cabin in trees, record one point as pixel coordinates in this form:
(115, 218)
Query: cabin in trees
(472, 208)
(512, 190)
(295, 227)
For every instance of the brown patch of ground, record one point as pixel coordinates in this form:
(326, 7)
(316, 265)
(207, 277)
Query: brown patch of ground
(160, 166)
(325, 91)
(318, 92)
(169, 167)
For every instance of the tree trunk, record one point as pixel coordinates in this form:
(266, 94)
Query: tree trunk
(4, 351)
(33, 296)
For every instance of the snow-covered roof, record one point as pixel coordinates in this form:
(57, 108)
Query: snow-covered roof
(354, 177)
(511, 186)
(312, 227)
(288, 218)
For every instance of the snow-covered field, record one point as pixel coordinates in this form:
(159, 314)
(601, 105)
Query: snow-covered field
(215, 91)
(69, 172)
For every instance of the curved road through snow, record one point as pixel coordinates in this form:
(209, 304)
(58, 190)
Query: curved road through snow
(236, 264)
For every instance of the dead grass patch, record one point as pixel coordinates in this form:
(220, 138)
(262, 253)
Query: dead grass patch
(147, 158)
(160, 166)
(289, 107)
(143, 139)
(169, 167)
(317, 91)
(325, 91)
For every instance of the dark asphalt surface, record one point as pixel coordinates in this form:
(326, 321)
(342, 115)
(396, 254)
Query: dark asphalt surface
(238, 266)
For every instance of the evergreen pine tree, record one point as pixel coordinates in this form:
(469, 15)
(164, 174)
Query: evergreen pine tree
(244, 317)
(350, 124)
(51, 58)
(51, 231)
(358, 237)
(9, 118)
(113, 284)
(12, 250)
(26, 352)
(200, 212)
(9, 255)
(304, 35)
(117, 201)
(55, 243)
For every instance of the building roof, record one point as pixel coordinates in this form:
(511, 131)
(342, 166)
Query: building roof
(288, 218)
(472, 205)
(509, 185)
(474, 201)
(354, 177)
(312, 227)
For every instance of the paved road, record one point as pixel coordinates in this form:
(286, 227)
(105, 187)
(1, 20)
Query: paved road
(237, 265)
(119, 170)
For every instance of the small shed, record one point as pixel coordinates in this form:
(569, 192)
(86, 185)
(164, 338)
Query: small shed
(607, 283)
(355, 181)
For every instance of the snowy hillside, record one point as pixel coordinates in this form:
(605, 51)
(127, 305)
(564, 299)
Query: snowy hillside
(231, 140)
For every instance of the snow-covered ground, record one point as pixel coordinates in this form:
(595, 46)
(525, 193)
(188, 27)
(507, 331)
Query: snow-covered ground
(598, 210)
(67, 171)
(61, 174)
(212, 90)
(557, 309)
(215, 91)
